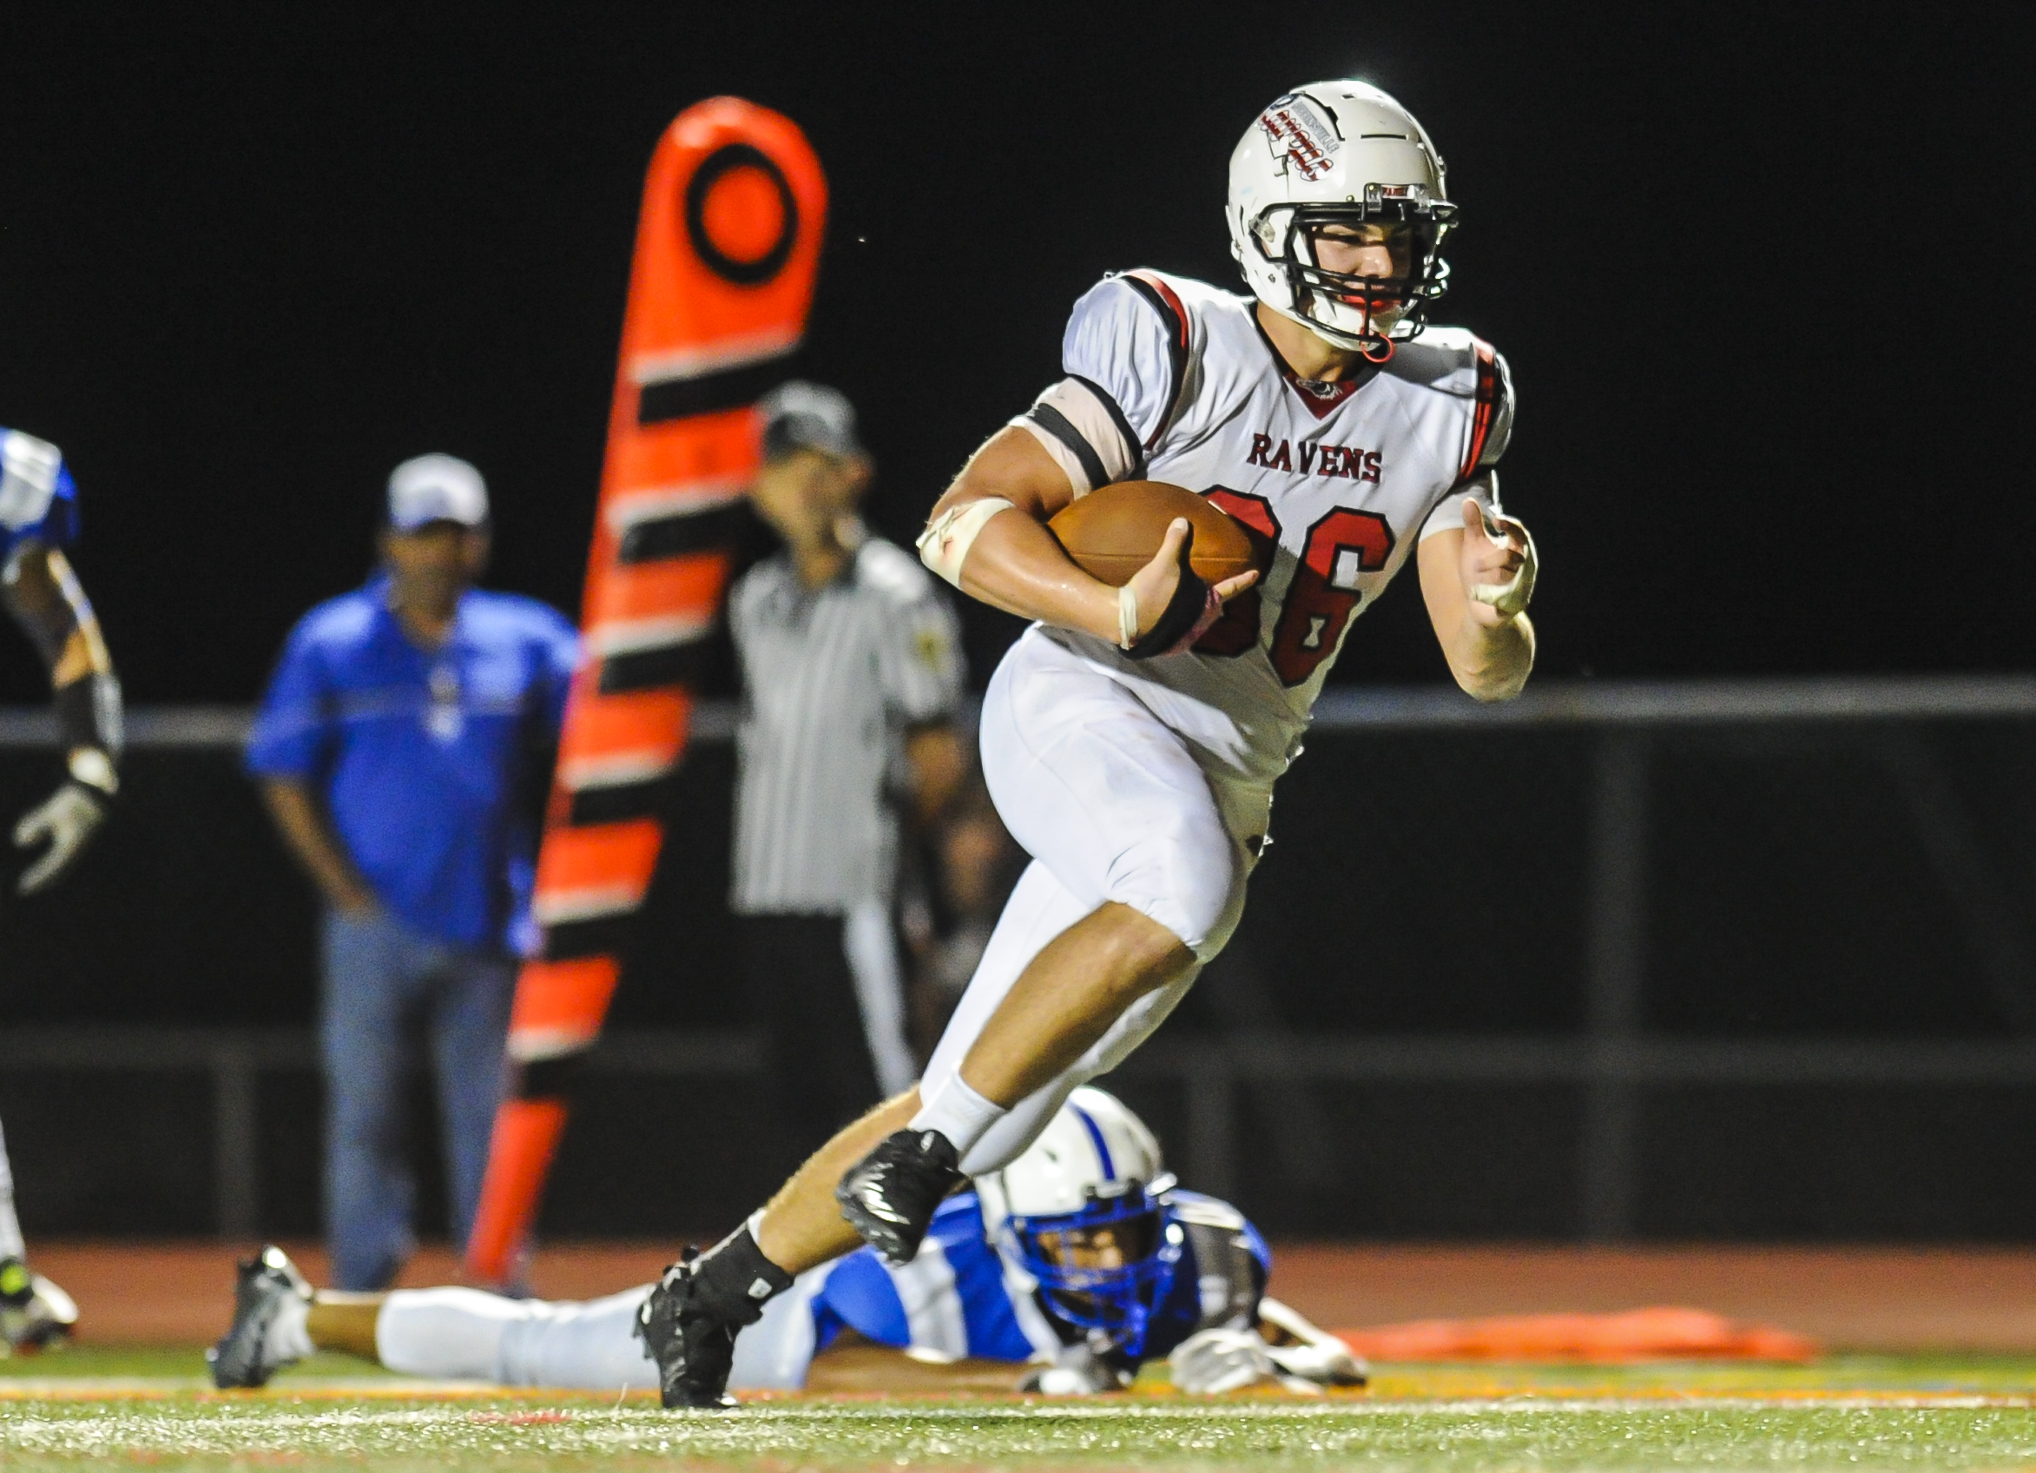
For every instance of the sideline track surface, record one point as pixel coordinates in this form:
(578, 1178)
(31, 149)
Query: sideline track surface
(1850, 1412)
(1896, 1300)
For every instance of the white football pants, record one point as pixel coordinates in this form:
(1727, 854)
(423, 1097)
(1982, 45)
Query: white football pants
(11, 1245)
(1112, 804)
(467, 1335)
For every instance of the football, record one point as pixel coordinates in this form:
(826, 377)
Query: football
(1114, 531)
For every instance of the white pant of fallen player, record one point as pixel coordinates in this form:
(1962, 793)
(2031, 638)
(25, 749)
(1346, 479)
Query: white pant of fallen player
(455, 1334)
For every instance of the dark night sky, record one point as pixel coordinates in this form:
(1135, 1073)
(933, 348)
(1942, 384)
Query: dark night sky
(1761, 275)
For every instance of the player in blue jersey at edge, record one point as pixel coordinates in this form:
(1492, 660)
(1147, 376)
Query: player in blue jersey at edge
(1081, 1259)
(38, 519)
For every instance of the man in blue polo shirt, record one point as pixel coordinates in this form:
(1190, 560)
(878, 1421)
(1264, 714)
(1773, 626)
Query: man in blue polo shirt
(397, 748)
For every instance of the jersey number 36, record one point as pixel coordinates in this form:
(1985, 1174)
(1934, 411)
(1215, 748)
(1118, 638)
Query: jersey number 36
(1322, 595)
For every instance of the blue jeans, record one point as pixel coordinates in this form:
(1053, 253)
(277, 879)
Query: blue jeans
(388, 989)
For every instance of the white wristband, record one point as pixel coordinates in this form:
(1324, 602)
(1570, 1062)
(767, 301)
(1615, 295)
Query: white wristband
(1127, 617)
(94, 768)
(944, 545)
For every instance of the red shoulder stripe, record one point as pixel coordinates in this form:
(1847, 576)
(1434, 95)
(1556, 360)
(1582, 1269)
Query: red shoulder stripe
(1487, 412)
(1175, 310)
(1167, 303)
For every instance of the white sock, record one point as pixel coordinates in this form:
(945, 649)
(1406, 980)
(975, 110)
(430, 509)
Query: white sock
(289, 1336)
(11, 1245)
(958, 1113)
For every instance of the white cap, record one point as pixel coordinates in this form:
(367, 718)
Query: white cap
(436, 488)
(803, 416)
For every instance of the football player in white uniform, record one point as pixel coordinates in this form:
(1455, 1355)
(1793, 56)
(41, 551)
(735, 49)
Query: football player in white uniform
(1131, 737)
(38, 519)
(1081, 1257)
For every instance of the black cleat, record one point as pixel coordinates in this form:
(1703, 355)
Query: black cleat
(266, 1286)
(889, 1197)
(694, 1348)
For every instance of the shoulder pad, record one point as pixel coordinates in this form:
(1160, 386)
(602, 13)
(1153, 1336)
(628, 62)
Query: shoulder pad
(1193, 295)
(961, 1204)
(1133, 337)
(1459, 363)
(1201, 1211)
(958, 1221)
(31, 474)
(1229, 1276)
(1442, 359)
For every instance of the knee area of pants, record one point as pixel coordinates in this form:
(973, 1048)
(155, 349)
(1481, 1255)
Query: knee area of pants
(1190, 895)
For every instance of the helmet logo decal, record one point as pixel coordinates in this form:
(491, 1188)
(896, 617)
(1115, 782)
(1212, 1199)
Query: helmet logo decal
(1301, 138)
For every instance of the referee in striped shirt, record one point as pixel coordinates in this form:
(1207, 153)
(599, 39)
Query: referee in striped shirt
(851, 669)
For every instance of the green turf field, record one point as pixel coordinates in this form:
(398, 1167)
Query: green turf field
(108, 1408)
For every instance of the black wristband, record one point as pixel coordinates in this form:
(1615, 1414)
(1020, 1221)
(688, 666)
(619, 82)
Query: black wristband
(1191, 597)
(89, 714)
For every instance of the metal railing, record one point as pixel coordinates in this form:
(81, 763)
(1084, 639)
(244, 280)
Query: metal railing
(1208, 1073)
(1545, 703)
(232, 1058)
(1611, 1061)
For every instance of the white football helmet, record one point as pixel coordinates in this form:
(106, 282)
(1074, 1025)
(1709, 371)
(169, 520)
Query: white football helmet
(1084, 1212)
(1340, 153)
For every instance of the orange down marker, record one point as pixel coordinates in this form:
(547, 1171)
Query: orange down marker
(727, 248)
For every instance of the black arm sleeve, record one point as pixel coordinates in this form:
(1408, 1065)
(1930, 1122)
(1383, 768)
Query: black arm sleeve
(89, 713)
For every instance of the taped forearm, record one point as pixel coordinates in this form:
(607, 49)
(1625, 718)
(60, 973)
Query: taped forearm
(1016, 564)
(944, 545)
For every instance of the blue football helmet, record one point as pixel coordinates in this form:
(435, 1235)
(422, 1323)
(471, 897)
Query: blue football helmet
(1084, 1212)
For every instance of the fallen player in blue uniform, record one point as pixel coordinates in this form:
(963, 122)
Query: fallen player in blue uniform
(1080, 1260)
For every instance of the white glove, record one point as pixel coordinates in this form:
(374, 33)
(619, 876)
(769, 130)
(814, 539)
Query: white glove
(67, 818)
(1321, 1365)
(1213, 1361)
(1076, 1371)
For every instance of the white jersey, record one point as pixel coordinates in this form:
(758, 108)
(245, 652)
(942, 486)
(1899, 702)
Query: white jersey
(1172, 380)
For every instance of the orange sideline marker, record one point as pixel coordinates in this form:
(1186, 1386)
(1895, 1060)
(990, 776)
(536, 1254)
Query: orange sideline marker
(727, 248)
(1662, 1332)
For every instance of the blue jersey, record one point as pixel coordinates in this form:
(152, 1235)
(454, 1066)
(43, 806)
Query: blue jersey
(37, 498)
(421, 755)
(962, 1297)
